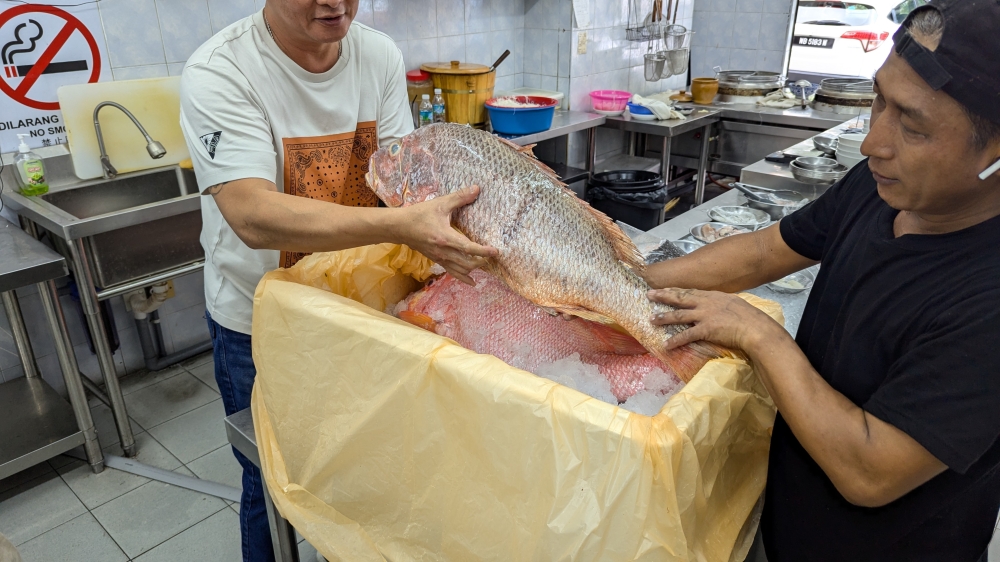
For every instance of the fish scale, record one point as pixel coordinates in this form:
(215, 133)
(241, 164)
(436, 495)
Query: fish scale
(555, 250)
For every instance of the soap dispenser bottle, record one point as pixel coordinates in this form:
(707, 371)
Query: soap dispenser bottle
(30, 170)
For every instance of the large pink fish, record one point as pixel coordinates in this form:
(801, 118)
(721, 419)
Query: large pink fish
(555, 250)
(490, 318)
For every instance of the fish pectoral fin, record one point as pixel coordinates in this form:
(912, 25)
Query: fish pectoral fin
(418, 319)
(585, 314)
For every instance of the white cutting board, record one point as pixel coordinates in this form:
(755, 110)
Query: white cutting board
(155, 102)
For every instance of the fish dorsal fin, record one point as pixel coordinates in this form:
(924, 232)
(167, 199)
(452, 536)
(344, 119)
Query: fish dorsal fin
(624, 248)
(526, 149)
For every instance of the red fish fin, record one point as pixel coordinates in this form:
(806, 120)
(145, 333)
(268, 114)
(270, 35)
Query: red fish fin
(686, 361)
(417, 319)
(526, 149)
(585, 314)
(618, 339)
(624, 248)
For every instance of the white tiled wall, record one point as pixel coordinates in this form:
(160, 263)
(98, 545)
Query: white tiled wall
(613, 63)
(740, 35)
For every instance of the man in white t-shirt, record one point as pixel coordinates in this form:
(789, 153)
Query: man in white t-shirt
(281, 111)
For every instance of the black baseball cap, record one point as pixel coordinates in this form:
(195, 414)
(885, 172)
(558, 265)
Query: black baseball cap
(966, 64)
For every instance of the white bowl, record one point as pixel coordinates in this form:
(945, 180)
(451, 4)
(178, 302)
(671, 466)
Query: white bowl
(849, 151)
(641, 117)
(852, 139)
(848, 161)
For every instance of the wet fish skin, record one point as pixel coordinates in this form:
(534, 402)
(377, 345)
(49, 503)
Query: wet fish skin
(555, 250)
(490, 318)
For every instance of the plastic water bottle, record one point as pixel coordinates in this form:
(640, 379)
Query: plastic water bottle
(438, 104)
(426, 110)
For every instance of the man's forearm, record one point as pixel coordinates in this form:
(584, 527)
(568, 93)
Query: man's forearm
(299, 224)
(733, 264)
(263, 218)
(869, 461)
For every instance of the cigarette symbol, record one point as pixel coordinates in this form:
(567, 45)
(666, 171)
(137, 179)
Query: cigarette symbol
(14, 71)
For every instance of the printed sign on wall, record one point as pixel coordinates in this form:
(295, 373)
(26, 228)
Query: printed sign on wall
(43, 47)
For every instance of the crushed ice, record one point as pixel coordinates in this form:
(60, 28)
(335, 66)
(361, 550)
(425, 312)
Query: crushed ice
(570, 371)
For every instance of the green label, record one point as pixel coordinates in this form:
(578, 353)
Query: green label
(34, 172)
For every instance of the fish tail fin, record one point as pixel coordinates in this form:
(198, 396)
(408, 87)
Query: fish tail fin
(419, 320)
(686, 361)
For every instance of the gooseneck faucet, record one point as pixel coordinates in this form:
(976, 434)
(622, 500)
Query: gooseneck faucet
(154, 148)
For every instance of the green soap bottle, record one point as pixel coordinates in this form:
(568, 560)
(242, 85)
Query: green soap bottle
(30, 170)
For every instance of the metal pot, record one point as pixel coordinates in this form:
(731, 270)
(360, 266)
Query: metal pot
(748, 83)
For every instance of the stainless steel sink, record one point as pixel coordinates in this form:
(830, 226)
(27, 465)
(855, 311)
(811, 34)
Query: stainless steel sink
(134, 226)
(117, 195)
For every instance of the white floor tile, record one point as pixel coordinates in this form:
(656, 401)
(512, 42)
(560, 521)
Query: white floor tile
(197, 360)
(168, 399)
(142, 379)
(219, 466)
(216, 539)
(97, 489)
(994, 552)
(153, 513)
(195, 433)
(206, 374)
(36, 507)
(82, 538)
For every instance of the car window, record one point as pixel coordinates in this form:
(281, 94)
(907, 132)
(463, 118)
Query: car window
(836, 13)
(903, 9)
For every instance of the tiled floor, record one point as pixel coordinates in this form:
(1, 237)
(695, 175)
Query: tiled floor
(60, 510)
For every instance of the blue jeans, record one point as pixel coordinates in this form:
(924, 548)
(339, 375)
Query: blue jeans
(235, 372)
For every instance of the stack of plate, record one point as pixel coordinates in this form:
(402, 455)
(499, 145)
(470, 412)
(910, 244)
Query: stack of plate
(849, 148)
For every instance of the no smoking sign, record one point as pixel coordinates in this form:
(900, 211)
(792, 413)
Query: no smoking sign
(43, 47)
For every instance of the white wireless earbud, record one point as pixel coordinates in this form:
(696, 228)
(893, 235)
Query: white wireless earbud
(990, 171)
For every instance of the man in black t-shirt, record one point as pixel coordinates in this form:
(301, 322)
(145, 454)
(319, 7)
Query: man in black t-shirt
(886, 443)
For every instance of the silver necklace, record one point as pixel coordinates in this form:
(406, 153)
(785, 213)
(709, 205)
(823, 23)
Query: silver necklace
(267, 25)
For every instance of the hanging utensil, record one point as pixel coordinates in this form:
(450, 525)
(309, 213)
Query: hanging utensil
(803, 84)
(500, 60)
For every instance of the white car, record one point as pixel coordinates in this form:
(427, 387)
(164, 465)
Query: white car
(846, 39)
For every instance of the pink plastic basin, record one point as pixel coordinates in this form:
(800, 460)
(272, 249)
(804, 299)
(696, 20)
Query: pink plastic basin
(609, 100)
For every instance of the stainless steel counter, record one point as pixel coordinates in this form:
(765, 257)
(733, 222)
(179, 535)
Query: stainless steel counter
(778, 176)
(563, 123)
(807, 118)
(25, 261)
(40, 424)
(667, 127)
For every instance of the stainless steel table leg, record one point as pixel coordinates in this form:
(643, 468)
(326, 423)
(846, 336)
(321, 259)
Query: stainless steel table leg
(282, 532)
(699, 190)
(71, 374)
(591, 148)
(20, 333)
(88, 296)
(665, 159)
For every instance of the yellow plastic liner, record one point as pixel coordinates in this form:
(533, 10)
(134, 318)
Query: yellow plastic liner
(382, 441)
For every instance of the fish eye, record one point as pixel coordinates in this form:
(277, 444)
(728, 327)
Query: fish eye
(394, 148)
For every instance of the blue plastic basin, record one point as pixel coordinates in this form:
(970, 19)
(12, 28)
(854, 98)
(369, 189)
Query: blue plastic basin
(522, 120)
(636, 109)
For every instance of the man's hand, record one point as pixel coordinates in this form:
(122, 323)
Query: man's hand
(715, 317)
(427, 228)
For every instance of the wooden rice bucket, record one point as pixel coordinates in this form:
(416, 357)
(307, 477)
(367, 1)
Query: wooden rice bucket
(465, 87)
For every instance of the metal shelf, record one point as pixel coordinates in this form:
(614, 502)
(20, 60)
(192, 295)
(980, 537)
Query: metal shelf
(38, 424)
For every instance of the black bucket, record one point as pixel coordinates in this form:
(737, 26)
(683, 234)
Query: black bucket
(635, 197)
